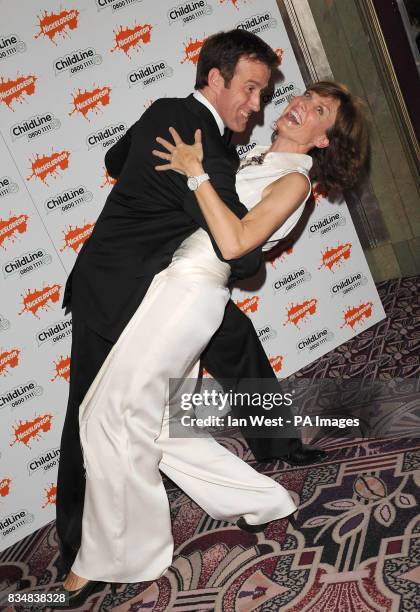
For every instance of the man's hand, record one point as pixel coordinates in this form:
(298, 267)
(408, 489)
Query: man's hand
(183, 158)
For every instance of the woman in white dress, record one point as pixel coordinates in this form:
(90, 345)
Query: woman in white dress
(124, 417)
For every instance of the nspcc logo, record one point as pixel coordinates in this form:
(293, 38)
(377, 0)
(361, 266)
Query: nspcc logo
(192, 50)
(59, 24)
(20, 394)
(35, 126)
(47, 460)
(49, 165)
(26, 263)
(314, 340)
(327, 224)
(293, 279)
(107, 136)
(349, 283)
(92, 100)
(68, 199)
(16, 90)
(150, 73)
(14, 521)
(189, 11)
(10, 45)
(258, 23)
(132, 38)
(76, 61)
(55, 332)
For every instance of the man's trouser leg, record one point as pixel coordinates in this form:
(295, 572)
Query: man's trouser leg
(234, 353)
(88, 352)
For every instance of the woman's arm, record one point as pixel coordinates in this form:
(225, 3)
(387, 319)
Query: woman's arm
(235, 237)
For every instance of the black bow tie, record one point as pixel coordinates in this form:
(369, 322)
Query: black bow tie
(227, 136)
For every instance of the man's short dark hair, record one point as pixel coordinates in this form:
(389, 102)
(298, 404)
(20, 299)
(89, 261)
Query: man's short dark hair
(225, 49)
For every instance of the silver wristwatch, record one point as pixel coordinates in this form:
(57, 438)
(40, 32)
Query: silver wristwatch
(194, 182)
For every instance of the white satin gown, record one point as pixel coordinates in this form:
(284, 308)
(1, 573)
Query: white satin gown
(124, 420)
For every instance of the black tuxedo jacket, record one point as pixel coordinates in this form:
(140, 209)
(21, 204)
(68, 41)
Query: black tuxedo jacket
(147, 215)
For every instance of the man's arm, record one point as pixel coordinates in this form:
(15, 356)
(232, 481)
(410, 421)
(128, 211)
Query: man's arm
(117, 154)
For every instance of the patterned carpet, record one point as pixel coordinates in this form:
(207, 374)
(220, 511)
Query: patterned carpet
(355, 542)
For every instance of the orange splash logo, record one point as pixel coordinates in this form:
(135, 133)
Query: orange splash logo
(34, 300)
(9, 228)
(74, 237)
(234, 2)
(317, 193)
(109, 181)
(333, 257)
(43, 165)
(249, 304)
(8, 359)
(279, 52)
(86, 101)
(281, 258)
(276, 363)
(25, 431)
(53, 24)
(12, 90)
(62, 368)
(192, 50)
(356, 314)
(50, 495)
(127, 39)
(5, 487)
(298, 312)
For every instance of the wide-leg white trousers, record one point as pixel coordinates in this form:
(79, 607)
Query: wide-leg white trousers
(124, 429)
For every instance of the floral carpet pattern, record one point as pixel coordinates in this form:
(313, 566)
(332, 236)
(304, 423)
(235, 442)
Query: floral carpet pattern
(353, 545)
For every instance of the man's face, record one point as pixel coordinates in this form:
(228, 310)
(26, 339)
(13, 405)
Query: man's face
(307, 118)
(236, 102)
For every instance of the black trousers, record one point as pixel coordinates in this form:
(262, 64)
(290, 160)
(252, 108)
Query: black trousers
(234, 353)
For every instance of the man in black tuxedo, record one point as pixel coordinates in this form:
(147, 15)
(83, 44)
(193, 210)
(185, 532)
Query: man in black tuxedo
(145, 218)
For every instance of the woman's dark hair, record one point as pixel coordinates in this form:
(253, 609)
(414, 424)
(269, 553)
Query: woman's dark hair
(339, 166)
(225, 49)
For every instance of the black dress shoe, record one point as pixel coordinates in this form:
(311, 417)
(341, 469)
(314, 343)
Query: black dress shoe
(298, 454)
(242, 524)
(79, 596)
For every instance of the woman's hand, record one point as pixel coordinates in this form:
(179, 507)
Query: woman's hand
(183, 158)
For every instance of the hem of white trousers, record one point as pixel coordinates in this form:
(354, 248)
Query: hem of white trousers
(120, 579)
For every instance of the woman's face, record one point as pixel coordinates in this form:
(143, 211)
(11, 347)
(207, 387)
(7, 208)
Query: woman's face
(307, 118)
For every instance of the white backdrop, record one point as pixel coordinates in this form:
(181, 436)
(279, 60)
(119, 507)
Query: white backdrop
(73, 76)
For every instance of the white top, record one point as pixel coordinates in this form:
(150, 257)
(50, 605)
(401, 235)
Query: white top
(201, 98)
(251, 181)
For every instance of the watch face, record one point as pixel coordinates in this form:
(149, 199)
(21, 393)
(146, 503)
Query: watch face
(192, 183)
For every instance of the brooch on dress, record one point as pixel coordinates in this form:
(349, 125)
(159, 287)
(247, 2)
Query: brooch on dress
(255, 160)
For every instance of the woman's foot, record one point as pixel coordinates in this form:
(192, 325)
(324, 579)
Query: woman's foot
(73, 582)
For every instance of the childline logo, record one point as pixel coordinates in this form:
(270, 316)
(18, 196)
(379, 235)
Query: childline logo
(298, 312)
(26, 263)
(14, 521)
(266, 333)
(348, 283)
(44, 165)
(9, 228)
(5, 487)
(314, 340)
(249, 304)
(188, 11)
(35, 126)
(150, 73)
(68, 199)
(74, 237)
(335, 256)
(10, 45)
(25, 431)
(243, 150)
(7, 186)
(12, 90)
(282, 94)
(46, 461)
(192, 50)
(40, 299)
(327, 224)
(20, 394)
(55, 332)
(356, 314)
(57, 24)
(114, 4)
(62, 368)
(106, 136)
(86, 101)
(50, 495)
(257, 23)
(128, 38)
(77, 61)
(292, 279)
(4, 323)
